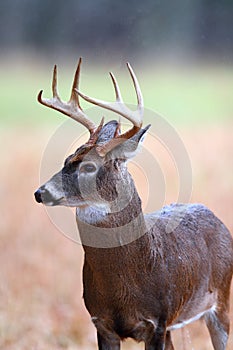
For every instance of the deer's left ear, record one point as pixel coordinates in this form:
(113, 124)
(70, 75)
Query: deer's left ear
(107, 132)
(128, 148)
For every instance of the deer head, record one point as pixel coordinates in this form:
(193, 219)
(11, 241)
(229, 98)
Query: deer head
(96, 173)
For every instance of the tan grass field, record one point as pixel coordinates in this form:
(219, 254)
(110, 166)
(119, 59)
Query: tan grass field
(41, 306)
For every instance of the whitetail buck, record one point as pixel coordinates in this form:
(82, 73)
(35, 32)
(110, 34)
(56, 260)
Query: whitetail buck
(158, 281)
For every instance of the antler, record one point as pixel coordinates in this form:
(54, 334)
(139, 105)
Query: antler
(71, 108)
(119, 106)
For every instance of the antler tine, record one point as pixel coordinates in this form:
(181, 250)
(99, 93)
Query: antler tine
(137, 88)
(116, 88)
(74, 96)
(118, 106)
(54, 83)
(72, 108)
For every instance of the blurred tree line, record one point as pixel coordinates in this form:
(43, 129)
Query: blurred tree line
(201, 26)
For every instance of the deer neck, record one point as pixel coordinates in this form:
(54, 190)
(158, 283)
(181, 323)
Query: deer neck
(107, 227)
(115, 245)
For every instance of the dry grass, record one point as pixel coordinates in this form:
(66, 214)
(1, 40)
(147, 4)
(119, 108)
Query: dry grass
(41, 303)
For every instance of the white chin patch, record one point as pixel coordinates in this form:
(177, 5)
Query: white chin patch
(49, 204)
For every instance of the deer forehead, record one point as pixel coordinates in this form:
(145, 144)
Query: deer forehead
(84, 152)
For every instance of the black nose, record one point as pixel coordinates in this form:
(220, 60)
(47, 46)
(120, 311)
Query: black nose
(37, 195)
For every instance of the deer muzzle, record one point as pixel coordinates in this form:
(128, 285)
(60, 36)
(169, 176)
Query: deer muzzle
(43, 195)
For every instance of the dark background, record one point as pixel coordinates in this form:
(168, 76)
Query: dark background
(200, 28)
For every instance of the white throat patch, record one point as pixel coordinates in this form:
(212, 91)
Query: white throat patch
(92, 214)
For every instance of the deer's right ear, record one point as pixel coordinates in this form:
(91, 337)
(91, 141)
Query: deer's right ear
(140, 135)
(129, 148)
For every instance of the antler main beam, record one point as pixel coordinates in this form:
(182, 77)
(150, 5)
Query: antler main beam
(71, 108)
(119, 106)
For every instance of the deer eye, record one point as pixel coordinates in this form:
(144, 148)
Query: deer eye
(87, 168)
